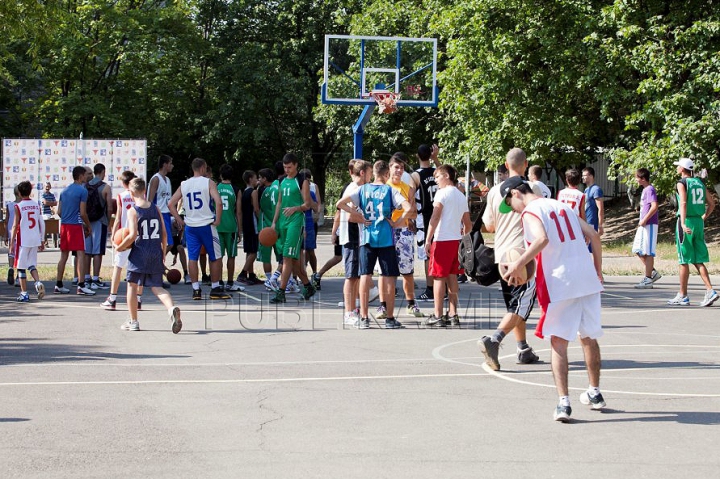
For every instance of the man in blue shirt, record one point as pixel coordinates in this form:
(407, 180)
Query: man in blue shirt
(48, 201)
(594, 207)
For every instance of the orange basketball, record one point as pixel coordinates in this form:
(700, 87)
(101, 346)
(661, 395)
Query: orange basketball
(173, 276)
(120, 235)
(511, 256)
(268, 236)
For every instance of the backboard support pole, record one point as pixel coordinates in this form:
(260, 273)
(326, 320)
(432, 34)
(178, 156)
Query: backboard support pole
(359, 130)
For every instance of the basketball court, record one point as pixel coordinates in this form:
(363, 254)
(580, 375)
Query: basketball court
(249, 390)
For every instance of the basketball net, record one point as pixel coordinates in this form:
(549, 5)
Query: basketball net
(386, 100)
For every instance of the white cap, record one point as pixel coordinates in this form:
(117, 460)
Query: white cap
(686, 163)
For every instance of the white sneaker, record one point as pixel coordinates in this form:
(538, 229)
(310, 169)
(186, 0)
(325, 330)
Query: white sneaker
(292, 287)
(710, 297)
(679, 300)
(645, 283)
(40, 288)
(374, 294)
(349, 318)
(271, 284)
(655, 276)
(85, 291)
(234, 287)
(61, 290)
(130, 326)
(341, 304)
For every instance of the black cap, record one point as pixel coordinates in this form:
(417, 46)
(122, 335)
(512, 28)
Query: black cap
(511, 184)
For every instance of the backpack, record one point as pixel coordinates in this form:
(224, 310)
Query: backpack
(477, 259)
(93, 207)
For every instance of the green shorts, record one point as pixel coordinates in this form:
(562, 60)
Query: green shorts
(265, 253)
(290, 237)
(691, 247)
(228, 244)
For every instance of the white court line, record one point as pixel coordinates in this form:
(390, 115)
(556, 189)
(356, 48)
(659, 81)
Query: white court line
(436, 353)
(240, 381)
(616, 295)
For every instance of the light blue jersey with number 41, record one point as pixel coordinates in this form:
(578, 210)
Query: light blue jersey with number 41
(377, 203)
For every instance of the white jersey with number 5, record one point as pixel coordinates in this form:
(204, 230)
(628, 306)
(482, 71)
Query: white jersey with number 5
(32, 224)
(565, 269)
(196, 201)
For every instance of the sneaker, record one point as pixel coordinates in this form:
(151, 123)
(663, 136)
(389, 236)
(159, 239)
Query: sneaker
(23, 298)
(426, 296)
(655, 276)
(219, 293)
(11, 276)
(710, 297)
(243, 279)
(350, 317)
(61, 290)
(233, 288)
(374, 294)
(254, 280)
(413, 310)
(527, 356)
(645, 283)
(187, 279)
(454, 321)
(85, 291)
(175, 318)
(205, 279)
(434, 322)
(278, 298)
(292, 286)
(99, 285)
(315, 281)
(392, 323)
(130, 326)
(308, 292)
(462, 278)
(562, 413)
(679, 300)
(271, 284)
(362, 323)
(595, 402)
(197, 295)
(40, 289)
(490, 349)
(108, 305)
(381, 312)
(74, 281)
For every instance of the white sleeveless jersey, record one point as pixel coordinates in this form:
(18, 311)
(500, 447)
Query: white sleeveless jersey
(32, 224)
(196, 201)
(574, 198)
(565, 268)
(163, 194)
(125, 202)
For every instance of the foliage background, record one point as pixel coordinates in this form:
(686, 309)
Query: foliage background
(239, 81)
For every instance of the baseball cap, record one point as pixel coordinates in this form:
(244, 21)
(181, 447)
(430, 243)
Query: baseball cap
(686, 163)
(506, 188)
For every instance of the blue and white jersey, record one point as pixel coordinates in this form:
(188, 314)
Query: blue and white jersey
(146, 255)
(377, 203)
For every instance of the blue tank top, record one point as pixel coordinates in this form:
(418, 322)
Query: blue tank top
(146, 255)
(376, 204)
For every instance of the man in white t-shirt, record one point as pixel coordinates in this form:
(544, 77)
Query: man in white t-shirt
(569, 283)
(534, 179)
(449, 220)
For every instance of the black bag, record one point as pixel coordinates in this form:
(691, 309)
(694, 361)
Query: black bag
(93, 206)
(477, 259)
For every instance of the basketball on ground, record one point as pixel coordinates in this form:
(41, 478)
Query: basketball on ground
(120, 235)
(173, 276)
(511, 256)
(268, 236)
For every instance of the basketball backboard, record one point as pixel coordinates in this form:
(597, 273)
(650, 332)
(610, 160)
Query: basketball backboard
(356, 65)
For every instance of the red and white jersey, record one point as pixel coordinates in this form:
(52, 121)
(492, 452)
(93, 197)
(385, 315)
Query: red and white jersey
(565, 269)
(124, 203)
(31, 230)
(574, 198)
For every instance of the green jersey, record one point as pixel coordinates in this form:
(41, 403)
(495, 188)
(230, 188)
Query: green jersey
(291, 195)
(228, 221)
(268, 202)
(695, 190)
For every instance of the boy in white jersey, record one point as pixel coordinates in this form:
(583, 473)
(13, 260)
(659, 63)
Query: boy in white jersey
(124, 203)
(569, 283)
(160, 191)
(571, 195)
(28, 233)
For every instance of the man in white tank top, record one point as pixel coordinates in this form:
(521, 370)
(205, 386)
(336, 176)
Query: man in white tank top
(160, 191)
(569, 282)
(571, 195)
(201, 226)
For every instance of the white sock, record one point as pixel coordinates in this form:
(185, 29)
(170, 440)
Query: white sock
(215, 284)
(196, 285)
(113, 297)
(564, 401)
(593, 391)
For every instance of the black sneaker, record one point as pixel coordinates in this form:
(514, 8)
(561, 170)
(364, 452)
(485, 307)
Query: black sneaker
(435, 322)
(315, 281)
(455, 321)
(11, 276)
(527, 356)
(205, 279)
(426, 296)
(278, 298)
(490, 349)
(219, 293)
(197, 294)
(308, 291)
(392, 323)
(362, 323)
(562, 413)
(462, 278)
(176, 321)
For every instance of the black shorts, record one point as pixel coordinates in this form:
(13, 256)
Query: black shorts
(351, 259)
(250, 242)
(519, 300)
(386, 256)
(142, 279)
